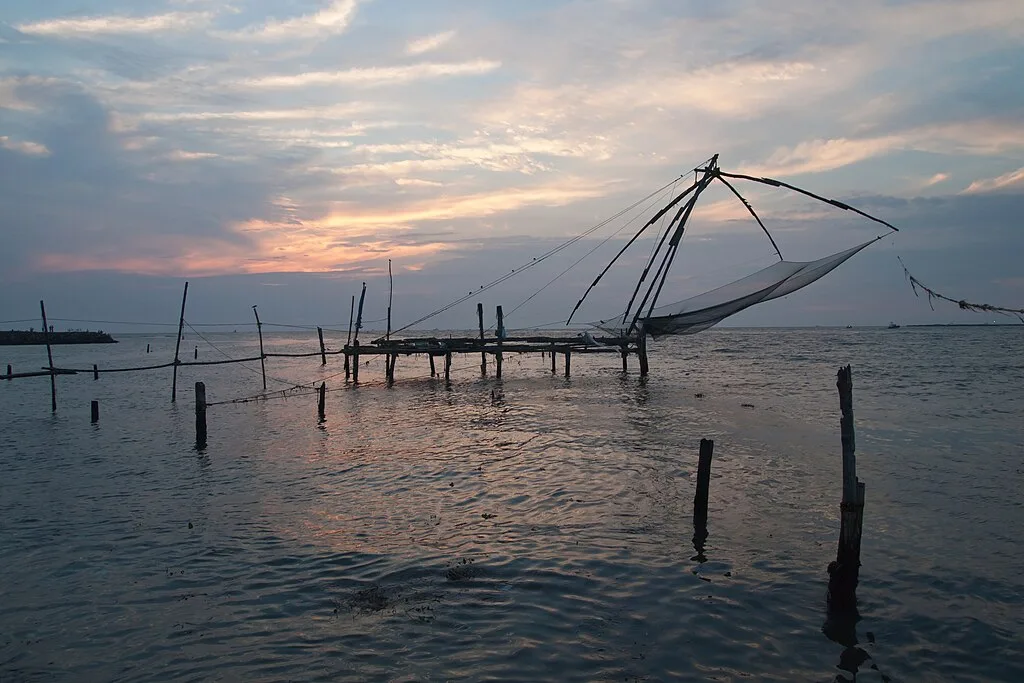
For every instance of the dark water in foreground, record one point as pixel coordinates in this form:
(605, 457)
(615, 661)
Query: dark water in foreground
(532, 529)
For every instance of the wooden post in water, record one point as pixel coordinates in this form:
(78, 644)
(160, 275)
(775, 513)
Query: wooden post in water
(448, 369)
(625, 355)
(323, 349)
(263, 356)
(433, 373)
(641, 351)
(554, 358)
(483, 353)
(844, 573)
(177, 347)
(147, 348)
(94, 409)
(49, 357)
(348, 341)
(700, 500)
(568, 361)
(95, 371)
(321, 404)
(10, 370)
(200, 415)
(391, 289)
(355, 361)
(195, 353)
(500, 335)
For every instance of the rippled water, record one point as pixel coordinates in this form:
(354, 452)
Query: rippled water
(535, 528)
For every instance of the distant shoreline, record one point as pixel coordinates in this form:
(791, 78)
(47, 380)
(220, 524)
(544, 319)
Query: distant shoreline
(32, 337)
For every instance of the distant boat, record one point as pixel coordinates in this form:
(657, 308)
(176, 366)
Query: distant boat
(893, 326)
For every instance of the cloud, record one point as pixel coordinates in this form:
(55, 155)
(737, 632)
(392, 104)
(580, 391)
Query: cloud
(331, 20)
(936, 179)
(28, 148)
(1003, 182)
(110, 25)
(425, 44)
(374, 76)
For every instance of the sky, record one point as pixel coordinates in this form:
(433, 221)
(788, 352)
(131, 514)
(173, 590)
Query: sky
(281, 152)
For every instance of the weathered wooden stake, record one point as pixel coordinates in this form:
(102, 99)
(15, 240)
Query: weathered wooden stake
(10, 370)
(95, 410)
(391, 360)
(323, 349)
(147, 348)
(177, 347)
(49, 357)
(641, 351)
(200, 415)
(448, 368)
(348, 341)
(844, 573)
(625, 355)
(195, 353)
(322, 402)
(700, 500)
(433, 373)
(263, 356)
(355, 361)
(95, 371)
(501, 335)
(568, 361)
(554, 359)
(483, 354)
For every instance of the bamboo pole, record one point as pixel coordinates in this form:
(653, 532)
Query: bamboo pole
(641, 351)
(200, 415)
(433, 372)
(391, 288)
(323, 349)
(568, 361)
(554, 355)
(448, 369)
(263, 356)
(483, 353)
(49, 357)
(321, 405)
(348, 341)
(177, 346)
(500, 335)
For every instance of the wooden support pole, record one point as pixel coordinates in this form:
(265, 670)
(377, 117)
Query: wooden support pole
(625, 355)
(195, 353)
(263, 356)
(391, 289)
(391, 369)
(95, 411)
(200, 415)
(844, 573)
(95, 371)
(10, 370)
(359, 315)
(323, 349)
(568, 362)
(355, 361)
(700, 500)
(448, 368)
(483, 354)
(147, 348)
(49, 357)
(321, 404)
(641, 351)
(433, 372)
(501, 335)
(554, 357)
(177, 347)
(348, 341)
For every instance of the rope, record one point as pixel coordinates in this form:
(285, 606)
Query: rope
(599, 245)
(535, 261)
(964, 305)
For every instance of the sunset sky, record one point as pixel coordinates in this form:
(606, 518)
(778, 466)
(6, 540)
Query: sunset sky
(279, 152)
